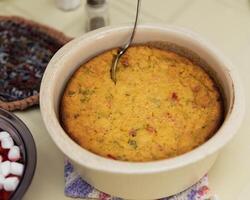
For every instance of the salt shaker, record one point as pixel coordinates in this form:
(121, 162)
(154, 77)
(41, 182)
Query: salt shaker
(97, 14)
(67, 5)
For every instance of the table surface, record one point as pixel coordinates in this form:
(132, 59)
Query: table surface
(225, 23)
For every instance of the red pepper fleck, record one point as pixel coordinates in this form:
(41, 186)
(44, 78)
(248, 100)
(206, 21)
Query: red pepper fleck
(160, 147)
(196, 88)
(150, 129)
(169, 117)
(111, 156)
(132, 132)
(109, 104)
(174, 96)
(125, 61)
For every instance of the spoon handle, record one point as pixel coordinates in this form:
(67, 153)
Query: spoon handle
(122, 50)
(134, 28)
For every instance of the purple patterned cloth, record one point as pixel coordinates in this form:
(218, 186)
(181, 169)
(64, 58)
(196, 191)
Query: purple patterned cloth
(76, 187)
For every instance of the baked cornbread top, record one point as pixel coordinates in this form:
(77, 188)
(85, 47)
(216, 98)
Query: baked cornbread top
(162, 105)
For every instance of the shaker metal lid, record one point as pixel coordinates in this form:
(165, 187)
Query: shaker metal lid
(96, 2)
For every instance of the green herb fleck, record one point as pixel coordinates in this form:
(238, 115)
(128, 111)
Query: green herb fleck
(85, 91)
(87, 71)
(156, 101)
(85, 94)
(84, 100)
(71, 93)
(132, 143)
(109, 97)
(117, 143)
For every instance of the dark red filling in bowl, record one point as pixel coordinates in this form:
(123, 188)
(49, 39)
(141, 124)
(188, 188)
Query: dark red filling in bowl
(22, 138)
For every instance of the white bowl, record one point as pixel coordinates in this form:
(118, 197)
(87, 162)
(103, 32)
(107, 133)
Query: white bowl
(148, 180)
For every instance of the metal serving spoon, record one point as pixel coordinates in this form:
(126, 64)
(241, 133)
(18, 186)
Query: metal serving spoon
(123, 49)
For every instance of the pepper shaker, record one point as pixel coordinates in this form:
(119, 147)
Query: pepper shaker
(97, 14)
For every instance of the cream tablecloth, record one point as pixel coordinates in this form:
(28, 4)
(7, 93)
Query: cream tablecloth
(226, 23)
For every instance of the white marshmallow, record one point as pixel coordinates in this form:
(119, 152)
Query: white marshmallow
(10, 184)
(14, 153)
(1, 181)
(5, 168)
(4, 134)
(7, 142)
(16, 168)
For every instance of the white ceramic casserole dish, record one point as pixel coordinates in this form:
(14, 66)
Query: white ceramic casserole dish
(148, 180)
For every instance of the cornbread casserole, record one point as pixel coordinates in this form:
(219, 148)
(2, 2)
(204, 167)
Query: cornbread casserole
(162, 105)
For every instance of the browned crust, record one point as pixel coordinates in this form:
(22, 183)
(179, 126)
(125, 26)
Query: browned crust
(20, 104)
(59, 36)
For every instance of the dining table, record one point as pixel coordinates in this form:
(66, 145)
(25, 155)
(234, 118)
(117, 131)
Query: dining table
(223, 23)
